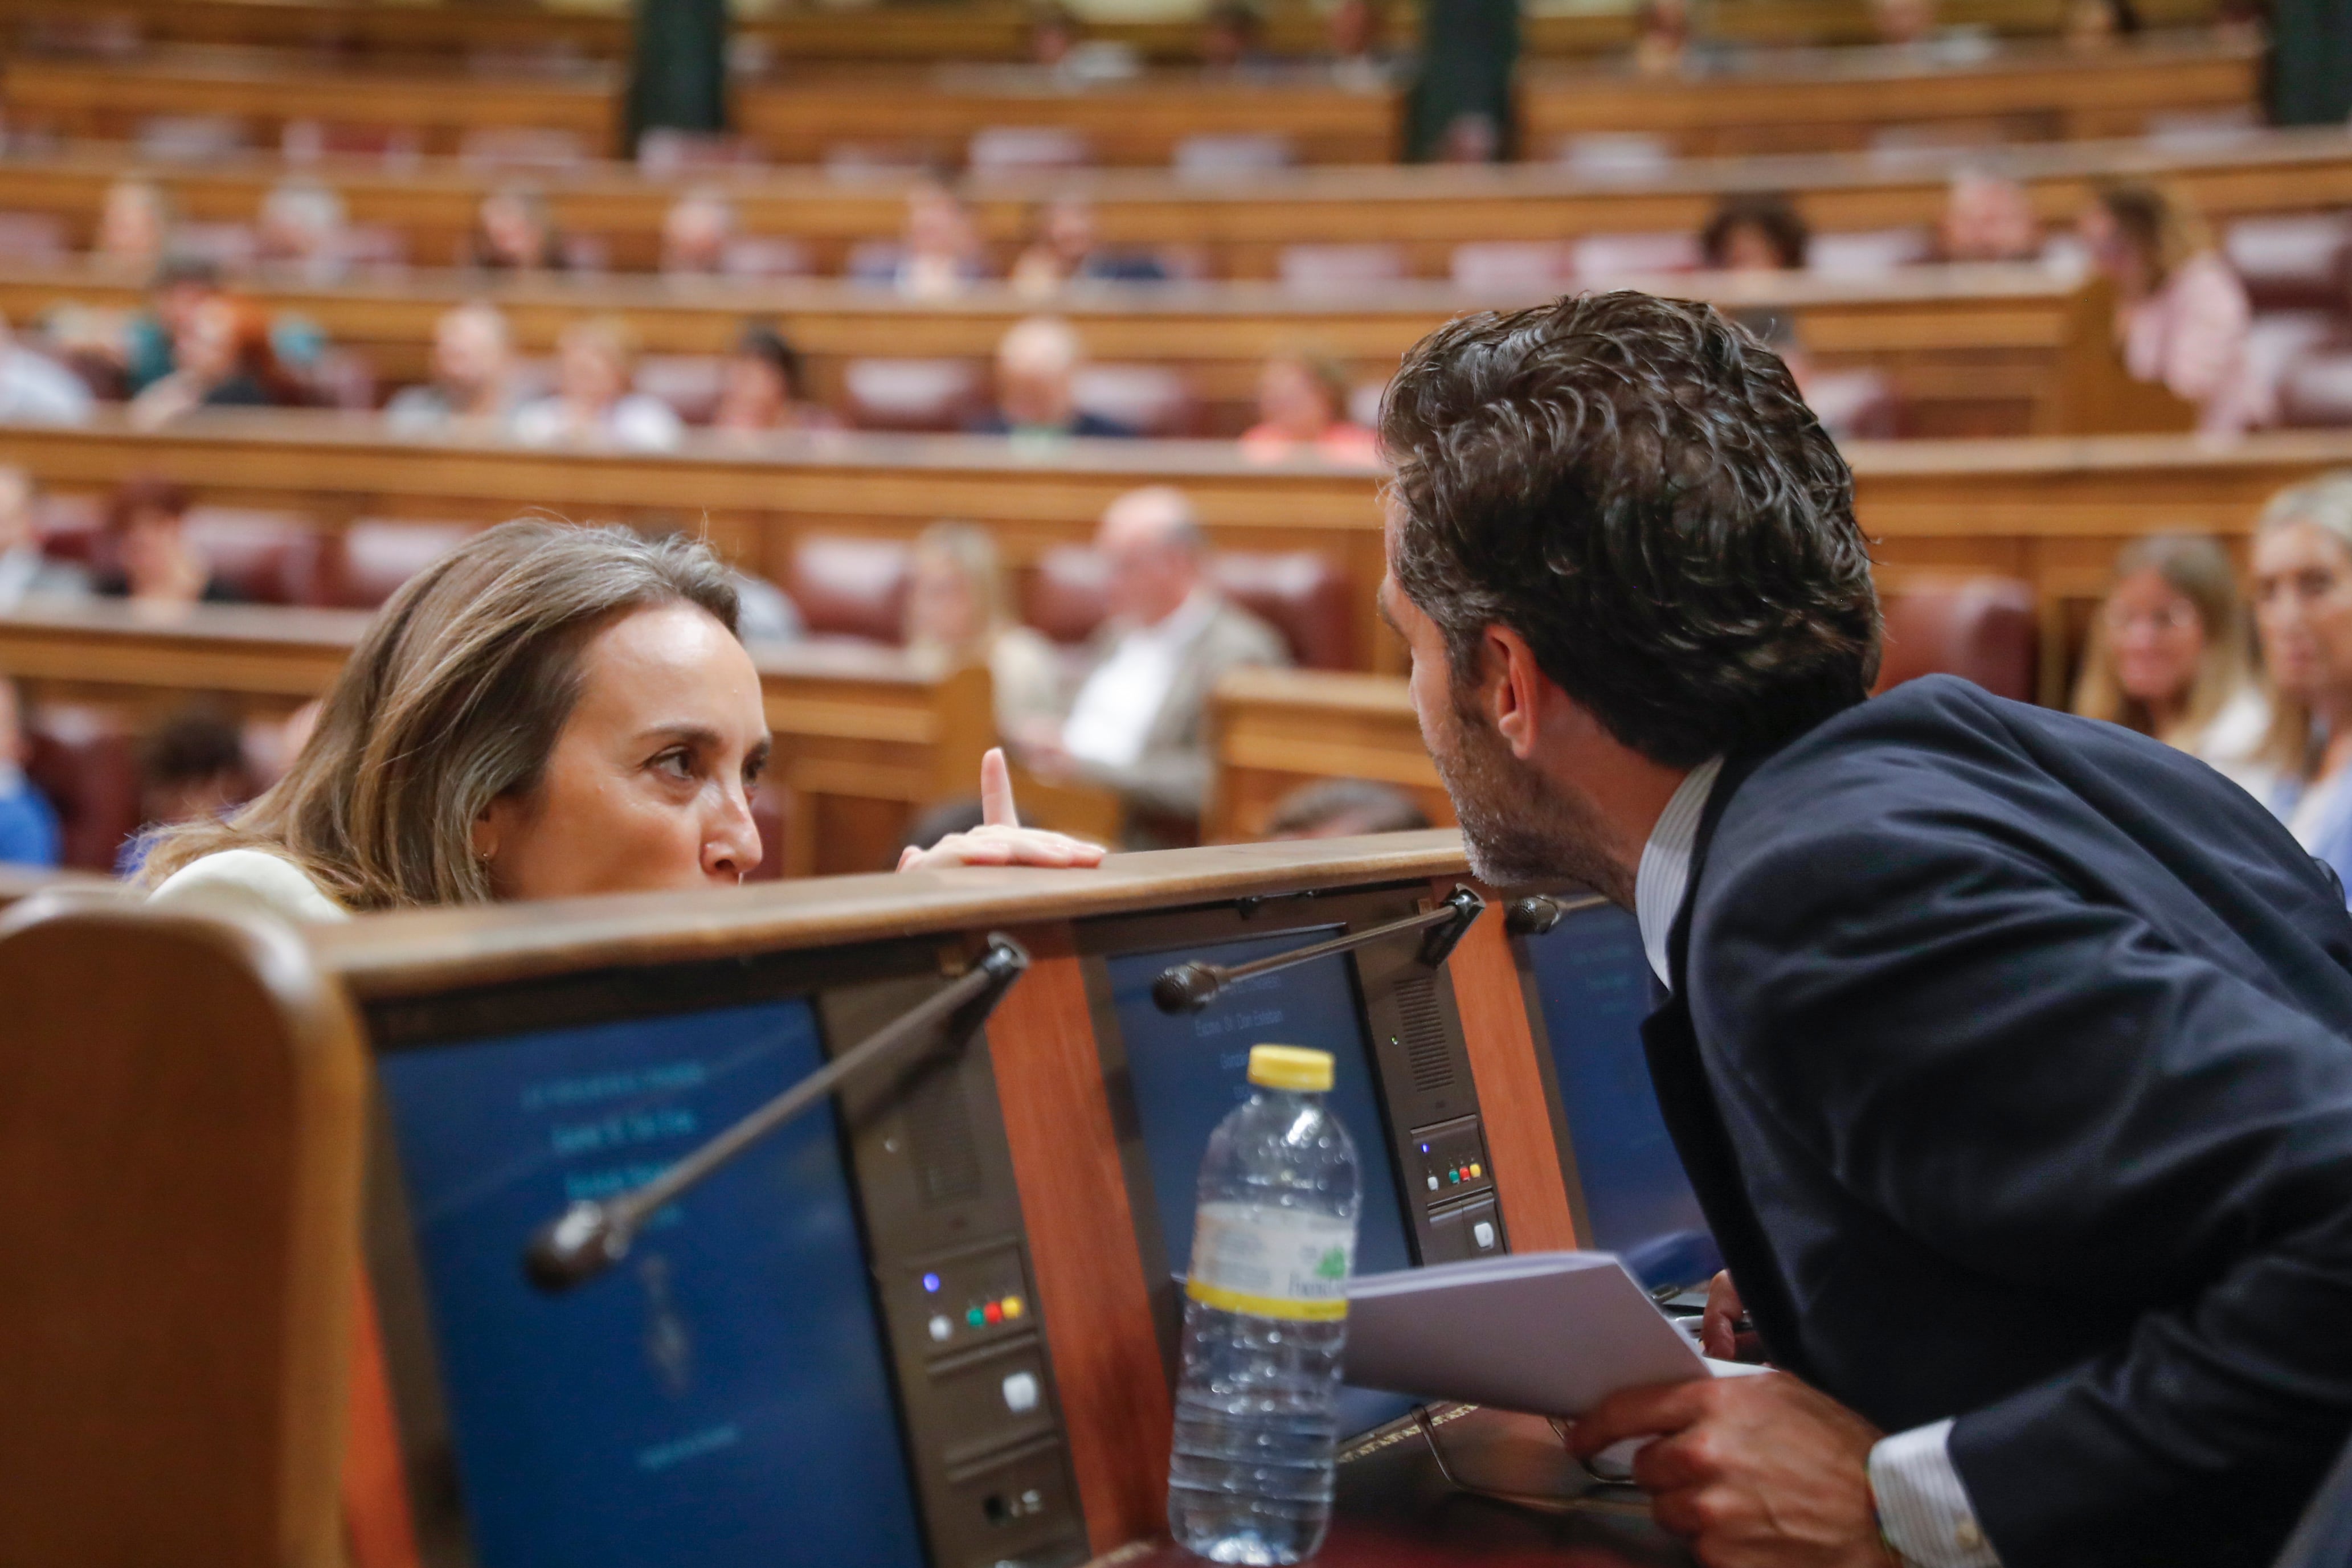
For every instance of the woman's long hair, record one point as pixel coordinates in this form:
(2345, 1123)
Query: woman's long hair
(972, 550)
(2200, 571)
(454, 698)
(2326, 503)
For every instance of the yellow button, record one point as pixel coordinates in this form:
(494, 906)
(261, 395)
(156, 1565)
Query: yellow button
(1476, 1171)
(1012, 1306)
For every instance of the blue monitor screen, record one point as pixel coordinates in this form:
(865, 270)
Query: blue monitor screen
(1594, 985)
(719, 1397)
(1188, 1070)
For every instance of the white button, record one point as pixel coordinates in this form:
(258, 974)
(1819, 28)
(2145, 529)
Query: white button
(1432, 1183)
(1021, 1393)
(1484, 1235)
(941, 1328)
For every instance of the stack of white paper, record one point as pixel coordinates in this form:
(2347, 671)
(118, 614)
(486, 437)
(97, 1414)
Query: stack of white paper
(1551, 1334)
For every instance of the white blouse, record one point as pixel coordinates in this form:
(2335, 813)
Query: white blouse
(252, 882)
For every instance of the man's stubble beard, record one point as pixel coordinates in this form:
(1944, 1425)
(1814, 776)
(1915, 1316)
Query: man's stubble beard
(1518, 827)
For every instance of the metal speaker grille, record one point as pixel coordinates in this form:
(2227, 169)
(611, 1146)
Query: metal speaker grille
(939, 1135)
(1426, 1055)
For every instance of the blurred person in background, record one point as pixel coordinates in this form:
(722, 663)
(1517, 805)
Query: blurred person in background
(1988, 218)
(25, 568)
(1067, 248)
(36, 390)
(1356, 34)
(765, 388)
(147, 349)
(28, 823)
(513, 231)
(1138, 724)
(1037, 364)
(152, 559)
(1053, 34)
(1302, 408)
(1762, 232)
(695, 235)
(2182, 314)
(1232, 39)
(2302, 614)
(135, 221)
(593, 404)
(191, 769)
(940, 252)
(2170, 654)
(2096, 25)
(1902, 23)
(1661, 37)
(959, 613)
(474, 384)
(302, 232)
(224, 357)
(1344, 808)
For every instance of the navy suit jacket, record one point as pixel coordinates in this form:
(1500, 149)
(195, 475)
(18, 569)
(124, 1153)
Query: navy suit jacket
(2011, 1054)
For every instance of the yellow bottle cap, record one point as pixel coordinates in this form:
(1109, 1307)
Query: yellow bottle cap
(1290, 1067)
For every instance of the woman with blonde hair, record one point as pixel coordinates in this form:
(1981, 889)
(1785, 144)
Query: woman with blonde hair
(547, 711)
(959, 611)
(2303, 611)
(2181, 314)
(2169, 656)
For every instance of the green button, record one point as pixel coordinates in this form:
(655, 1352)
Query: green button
(1452, 1175)
(975, 1317)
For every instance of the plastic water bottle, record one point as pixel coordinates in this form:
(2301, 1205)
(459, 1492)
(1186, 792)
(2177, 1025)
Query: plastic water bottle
(1265, 1317)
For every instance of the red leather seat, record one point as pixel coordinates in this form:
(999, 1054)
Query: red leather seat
(2316, 390)
(1303, 594)
(689, 384)
(32, 236)
(1339, 268)
(1150, 400)
(2292, 263)
(1026, 148)
(270, 557)
(1979, 627)
(367, 562)
(852, 587)
(1528, 269)
(914, 394)
(89, 769)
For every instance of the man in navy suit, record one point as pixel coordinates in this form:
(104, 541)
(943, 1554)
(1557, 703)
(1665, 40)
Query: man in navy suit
(2010, 1053)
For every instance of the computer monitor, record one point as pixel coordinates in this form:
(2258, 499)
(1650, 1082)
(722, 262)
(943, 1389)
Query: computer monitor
(829, 1352)
(1400, 1083)
(1588, 988)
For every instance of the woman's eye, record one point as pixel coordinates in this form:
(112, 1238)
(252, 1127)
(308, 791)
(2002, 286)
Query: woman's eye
(677, 764)
(754, 770)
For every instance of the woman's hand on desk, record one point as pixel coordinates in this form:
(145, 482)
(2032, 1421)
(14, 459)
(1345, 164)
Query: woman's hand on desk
(1001, 839)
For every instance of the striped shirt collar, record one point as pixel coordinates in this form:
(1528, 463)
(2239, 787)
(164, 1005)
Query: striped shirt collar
(1664, 875)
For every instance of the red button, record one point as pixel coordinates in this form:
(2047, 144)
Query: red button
(993, 1312)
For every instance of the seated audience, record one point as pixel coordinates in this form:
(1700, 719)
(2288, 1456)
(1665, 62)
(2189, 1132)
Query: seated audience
(1661, 37)
(1903, 23)
(593, 404)
(513, 231)
(36, 390)
(473, 385)
(134, 227)
(149, 559)
(941, 254)
(224, 357)
(695, 235)
(191, 769)
(1988, 218)
(149, 349)
(2303, 613)
(1066, 249)
(959, 613)
(1037, 365)
(766, 388)
(2168, 654)
(1758, 233)
(2096, 25)
(1053, 34)
(1344, 808)
(1137, 726)
(2182, 314)
(28, 823)
(302, 232)
(24, 568)
(546, 711)
(1302, 407)
(1360, 59)
(1232, 39)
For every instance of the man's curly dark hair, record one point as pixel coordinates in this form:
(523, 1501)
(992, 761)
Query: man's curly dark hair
(1634, 486)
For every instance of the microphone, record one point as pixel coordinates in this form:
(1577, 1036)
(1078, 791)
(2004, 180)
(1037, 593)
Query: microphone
(1187, 988)
(1539, 912)
(591, 1236)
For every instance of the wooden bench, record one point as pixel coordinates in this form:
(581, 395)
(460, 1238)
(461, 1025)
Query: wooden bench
(2018, 93)
(2053, 511)
(863, 742)
(1996, 351)
(1237, 230)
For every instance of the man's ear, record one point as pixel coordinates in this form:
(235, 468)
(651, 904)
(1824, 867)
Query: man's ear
(1514, 688)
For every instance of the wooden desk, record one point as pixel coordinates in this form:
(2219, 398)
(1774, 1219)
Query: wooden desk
(1238, 229)
(265, 89)
(864, 742)
(1274, 731)
(2053, 511)
(1825, 103)
(1979, 350)
(19, 881)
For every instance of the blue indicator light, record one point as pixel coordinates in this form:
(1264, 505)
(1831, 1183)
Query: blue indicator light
(930, 1284)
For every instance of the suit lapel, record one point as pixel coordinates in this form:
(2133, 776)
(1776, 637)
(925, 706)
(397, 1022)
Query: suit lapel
(1686, 1101)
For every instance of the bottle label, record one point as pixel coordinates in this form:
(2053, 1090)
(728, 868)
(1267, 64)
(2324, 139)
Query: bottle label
(1271, 1262)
